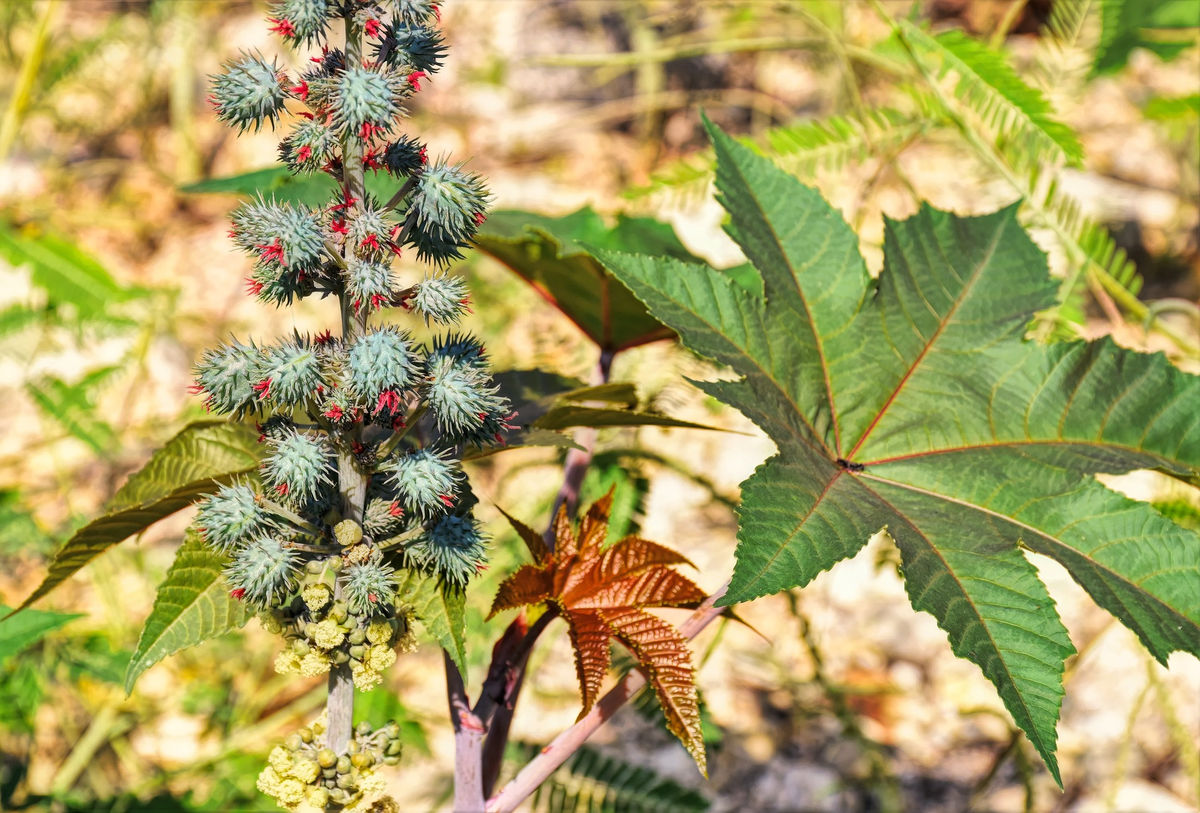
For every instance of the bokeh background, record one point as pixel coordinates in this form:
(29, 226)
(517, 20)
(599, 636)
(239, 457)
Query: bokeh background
(114, 276)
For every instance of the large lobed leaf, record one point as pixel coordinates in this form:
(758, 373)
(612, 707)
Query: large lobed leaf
(192, 464)
(912, 403)
(192, 605)
(602, 593)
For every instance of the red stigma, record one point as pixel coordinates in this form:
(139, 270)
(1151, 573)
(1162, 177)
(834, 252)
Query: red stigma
(196, 389)
(304, 153)
(253, 286)
(301, 90)
(339, 227)
(378, 300)
(398, 423)
(415, 78)
(282, 488)
(334, 413)
(323, 338)
(447, 499)
(371, 597)
(283, 27)
(238, 593)
(479, 218)
(372, 27)
(263, 388)
(357, 447)
(371, 241)
(389, 400)
(274, 251)
(424, 156)
(395, 510)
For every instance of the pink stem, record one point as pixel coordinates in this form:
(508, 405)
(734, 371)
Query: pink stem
(560, 749)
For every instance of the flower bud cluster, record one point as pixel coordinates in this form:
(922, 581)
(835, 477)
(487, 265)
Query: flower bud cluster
(323, 631)
(305, 772)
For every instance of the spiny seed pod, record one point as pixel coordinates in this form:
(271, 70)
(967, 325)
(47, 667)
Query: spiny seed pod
(370, 587)
(426, 480)
(280, 234)
(404, 156)
(460, 395)
(452, 547)
(227, 375)
(231, 517)
(290, 373)
(445, 212)
(383, 517)
(412, 47)
(311, 146)
(369, 283)
(416, 12)
(369, 231)
(301, 20)
(249, 92)
(263, 571)
(440, 298)
(298, 465)
(380, 366)
(366, 97)
(461, 348)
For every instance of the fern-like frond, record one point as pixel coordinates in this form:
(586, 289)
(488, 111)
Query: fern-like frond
(1089, 249)
(591, 781)
(1017, 115)
(1068, 21)
(804, 148)
(832, 142)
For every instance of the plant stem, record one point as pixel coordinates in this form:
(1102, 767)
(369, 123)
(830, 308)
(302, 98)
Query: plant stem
(568, 742)
(577, 461)
(352, 483)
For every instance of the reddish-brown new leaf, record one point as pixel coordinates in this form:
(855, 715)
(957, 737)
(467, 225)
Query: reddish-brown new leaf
(602, 594)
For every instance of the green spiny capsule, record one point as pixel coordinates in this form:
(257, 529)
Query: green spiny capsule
(249, 92)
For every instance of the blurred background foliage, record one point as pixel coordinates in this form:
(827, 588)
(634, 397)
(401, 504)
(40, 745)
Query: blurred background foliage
(114, 183)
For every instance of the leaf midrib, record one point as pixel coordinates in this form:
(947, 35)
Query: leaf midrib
(1031, 731)
(967, 288)
(1033, 531)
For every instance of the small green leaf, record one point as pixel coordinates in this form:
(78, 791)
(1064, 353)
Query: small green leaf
(26, 629)
(67, 274)
(192, 464)
(73, 407)
(278, 183)
(566, 416)
(440, 608)
(1129, 24)
(193, 605)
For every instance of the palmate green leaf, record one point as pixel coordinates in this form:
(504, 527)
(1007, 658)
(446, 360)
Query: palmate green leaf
(192, 605)
(553, 256)
(913, 404)
(441, 609)
(192, 464)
